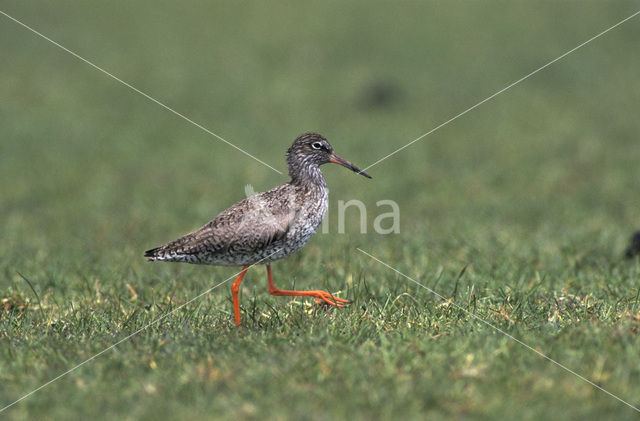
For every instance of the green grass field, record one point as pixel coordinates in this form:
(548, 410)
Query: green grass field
(535, 193)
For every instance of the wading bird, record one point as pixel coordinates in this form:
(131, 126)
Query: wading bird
(267, 226)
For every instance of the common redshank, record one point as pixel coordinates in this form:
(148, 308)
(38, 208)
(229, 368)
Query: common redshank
(267, 226)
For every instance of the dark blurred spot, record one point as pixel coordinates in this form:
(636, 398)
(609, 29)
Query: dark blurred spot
(634, 246)
(381, 93)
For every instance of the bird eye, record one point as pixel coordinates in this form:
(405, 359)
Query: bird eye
(316, 145)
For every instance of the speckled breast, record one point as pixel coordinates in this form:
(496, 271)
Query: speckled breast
(308, 218)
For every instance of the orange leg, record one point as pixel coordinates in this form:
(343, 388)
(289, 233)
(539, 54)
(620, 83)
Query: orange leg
(235, 287)
(321, 297)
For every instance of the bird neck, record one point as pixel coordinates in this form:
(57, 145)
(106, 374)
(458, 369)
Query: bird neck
(307, 174)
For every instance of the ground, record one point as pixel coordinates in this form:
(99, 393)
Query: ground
(517, 212)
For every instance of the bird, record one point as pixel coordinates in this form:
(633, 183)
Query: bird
(267, 226)
(634, 246)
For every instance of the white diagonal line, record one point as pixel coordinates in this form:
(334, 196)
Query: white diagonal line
(130, 336)
(502, 331)
(502, 90)
(138, 91)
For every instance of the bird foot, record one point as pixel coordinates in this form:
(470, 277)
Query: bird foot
(325, 298)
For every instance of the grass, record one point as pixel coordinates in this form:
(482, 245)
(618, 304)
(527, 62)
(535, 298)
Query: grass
(534, 193)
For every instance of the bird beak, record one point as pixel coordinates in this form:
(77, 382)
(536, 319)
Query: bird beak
(337, 159)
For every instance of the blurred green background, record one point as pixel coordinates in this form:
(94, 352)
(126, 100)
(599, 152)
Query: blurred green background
(536, 191)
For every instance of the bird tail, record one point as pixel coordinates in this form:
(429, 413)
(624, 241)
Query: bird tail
(154, 254)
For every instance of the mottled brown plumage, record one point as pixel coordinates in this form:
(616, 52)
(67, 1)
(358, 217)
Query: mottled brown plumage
(268, 226)
(251, 230)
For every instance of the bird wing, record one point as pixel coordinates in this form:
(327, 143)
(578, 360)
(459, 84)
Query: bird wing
(247, 226)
